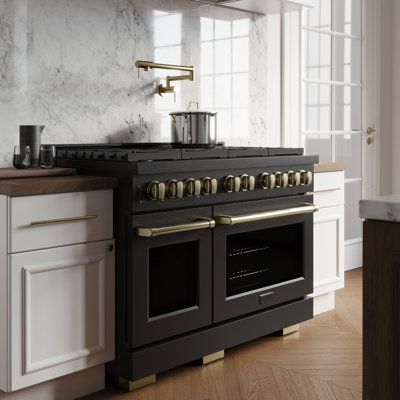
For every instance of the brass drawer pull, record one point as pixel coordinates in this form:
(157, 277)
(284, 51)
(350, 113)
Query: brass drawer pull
(327, 190)
(63, 220)
(168, 230)
(241, 219)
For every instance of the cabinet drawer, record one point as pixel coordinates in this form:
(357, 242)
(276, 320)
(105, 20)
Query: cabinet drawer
(329, 189)
(39, 222)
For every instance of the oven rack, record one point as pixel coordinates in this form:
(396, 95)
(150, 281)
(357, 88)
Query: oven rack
(247, 250)
(246, 273)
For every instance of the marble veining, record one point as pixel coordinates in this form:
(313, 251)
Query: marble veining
(68, 64)
(385, 208)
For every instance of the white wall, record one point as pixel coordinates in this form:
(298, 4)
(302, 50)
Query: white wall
(395, 75)
(68, 65)
(386, 97)
(390, 96)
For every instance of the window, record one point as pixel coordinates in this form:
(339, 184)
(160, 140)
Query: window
(332, 94)
(225, 74)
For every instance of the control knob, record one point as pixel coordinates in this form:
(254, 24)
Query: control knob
(192, 187)
(294, 178)
(156, 190)
(285, 179)
(174, 189)
(209, 186)
(232, 184)
(267, 181)
(247, 183)
(279, 179)
(306, 177)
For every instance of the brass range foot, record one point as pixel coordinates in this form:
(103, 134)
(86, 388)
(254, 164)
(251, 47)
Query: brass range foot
(287, 331)
(212, 357)
(130, 386)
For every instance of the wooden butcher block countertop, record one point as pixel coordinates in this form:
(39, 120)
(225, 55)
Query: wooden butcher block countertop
(331, 167)
(55, 184)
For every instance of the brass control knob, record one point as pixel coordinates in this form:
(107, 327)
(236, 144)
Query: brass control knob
(285, 179)
(267, 181)
(209, 186)
(197, 187)
(232, 184)
(174, 189)
(156, 190)
(309, 178)
(279, 179)
(247, 183)
(306, 177)
(297, 178)
(292, 178)
(303, 177)
(189, 187)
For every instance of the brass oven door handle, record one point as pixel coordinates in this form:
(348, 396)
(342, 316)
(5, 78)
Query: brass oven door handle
(149, 232)
(63, 220)
(241, 219)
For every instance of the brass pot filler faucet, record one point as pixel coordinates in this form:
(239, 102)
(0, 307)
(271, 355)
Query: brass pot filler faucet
(168, 88)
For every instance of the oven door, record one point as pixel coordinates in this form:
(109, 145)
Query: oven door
(171, 276)
(263, 255)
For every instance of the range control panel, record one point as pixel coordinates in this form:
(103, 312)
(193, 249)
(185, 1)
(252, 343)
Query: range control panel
(190, 187)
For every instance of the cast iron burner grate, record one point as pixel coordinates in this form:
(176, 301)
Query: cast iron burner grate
(136, 152)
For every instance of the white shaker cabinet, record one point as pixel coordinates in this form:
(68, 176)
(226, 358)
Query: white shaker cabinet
(328, 239)
(57, 298)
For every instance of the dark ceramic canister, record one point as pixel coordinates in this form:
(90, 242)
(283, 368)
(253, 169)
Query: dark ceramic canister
(30, 135)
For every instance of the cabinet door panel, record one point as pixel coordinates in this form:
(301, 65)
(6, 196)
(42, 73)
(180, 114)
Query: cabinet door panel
(328, 249)
(62, 311)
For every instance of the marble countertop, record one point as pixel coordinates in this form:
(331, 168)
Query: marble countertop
(385, 208)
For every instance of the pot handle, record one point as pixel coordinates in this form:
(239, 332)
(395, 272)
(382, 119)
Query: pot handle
(193, 103)
(215, 126)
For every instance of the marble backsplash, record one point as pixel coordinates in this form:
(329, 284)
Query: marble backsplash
(69, 65)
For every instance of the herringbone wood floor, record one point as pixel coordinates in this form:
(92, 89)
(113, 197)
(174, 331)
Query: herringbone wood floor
(321, 362)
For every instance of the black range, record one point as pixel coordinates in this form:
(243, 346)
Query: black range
(214, 247)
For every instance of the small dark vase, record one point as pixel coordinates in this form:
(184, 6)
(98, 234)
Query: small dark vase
(30, 135)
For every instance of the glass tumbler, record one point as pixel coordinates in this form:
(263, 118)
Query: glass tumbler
(47, 156)
(22, 157)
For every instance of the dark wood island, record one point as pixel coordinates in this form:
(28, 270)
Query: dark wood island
(381, 298)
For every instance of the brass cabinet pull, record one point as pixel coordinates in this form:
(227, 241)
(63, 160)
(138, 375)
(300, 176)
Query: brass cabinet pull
(63, 220)
(241, 219)
(168, 230)
(110, 247)
(327, 190)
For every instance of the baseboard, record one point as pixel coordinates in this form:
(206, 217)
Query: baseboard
(68, 387)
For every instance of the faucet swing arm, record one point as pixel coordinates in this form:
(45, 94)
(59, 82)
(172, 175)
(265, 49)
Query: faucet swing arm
(168, 88)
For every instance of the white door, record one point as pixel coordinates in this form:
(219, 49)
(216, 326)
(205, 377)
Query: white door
(338, 102)
(62, 311)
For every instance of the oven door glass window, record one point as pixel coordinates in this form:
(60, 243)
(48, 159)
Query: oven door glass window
(173, 278)
(263, 258)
